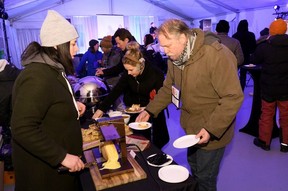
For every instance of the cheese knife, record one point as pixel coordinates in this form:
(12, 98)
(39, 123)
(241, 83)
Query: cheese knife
(62, 169)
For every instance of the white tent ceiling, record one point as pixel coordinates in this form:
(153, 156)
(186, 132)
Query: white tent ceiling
(186, 9)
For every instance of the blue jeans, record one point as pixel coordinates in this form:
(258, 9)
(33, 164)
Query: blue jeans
(205, 166)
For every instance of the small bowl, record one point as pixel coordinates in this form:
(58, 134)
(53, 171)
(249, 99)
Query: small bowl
(114, 113)
(126, 118)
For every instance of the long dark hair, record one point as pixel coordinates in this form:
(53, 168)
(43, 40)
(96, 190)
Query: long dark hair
(148, 39)
(60, 55)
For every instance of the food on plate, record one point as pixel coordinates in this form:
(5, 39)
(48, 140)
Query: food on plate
(91, 134)
(143, 125)
(158, 159)
(134, 107)
(111, 156)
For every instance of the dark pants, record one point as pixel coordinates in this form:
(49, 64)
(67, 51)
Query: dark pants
(158, 134)
(266, 120)
(242, 77)
(205, 166)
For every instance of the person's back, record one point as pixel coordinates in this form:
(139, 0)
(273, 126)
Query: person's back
(247, 40)
(264, 34)
(273, 57)
(233, 44)
(8, 75)
(248, 44)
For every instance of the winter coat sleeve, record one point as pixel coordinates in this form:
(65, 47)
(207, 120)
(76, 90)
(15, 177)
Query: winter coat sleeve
(32, 98)
(115, 93)
(163, 96)
(82, 63)
(239, 54)
(115, 70)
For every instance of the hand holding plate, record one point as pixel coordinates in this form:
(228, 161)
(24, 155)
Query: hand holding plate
(203, 135)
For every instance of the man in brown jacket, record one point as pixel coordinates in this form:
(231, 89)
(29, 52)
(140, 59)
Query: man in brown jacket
(203, 73)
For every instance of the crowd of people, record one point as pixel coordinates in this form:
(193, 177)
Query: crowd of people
(202, 68)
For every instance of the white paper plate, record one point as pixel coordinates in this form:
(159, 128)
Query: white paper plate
(173, 173)
(131, 112)
(185, 141)
(165, 164)
(137, 125)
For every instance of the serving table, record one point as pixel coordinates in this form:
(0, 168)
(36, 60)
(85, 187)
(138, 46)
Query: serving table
(151, 182)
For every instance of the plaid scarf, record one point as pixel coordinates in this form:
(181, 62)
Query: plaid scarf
(184, 55)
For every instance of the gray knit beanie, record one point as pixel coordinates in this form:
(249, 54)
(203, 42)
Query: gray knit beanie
(56, 30)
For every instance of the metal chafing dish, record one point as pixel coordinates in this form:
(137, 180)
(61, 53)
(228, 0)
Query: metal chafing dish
(90, 90)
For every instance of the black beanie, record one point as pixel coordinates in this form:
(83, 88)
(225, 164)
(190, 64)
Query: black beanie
(93, 42)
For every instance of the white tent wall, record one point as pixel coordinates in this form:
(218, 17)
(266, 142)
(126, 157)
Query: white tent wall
(257, 19)
(137, 15)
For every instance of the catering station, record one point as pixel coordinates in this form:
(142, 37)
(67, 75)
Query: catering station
(115, 159)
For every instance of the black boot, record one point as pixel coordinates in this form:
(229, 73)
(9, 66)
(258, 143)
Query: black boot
(261, 144)
(283, 147)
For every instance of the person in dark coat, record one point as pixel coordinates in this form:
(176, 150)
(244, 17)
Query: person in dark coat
(153, 56)
(45, 123)
(139, 84)
(248, 44)
(122, 37)
(8, 74)
(111, 57)
(264, 34)
(273, 57)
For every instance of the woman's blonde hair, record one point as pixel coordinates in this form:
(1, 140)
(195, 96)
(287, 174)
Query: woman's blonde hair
(133, 56)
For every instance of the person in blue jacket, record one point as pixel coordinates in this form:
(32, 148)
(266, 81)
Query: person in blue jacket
(91, 59)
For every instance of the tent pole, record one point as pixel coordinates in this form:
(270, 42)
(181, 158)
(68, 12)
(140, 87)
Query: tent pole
(6, 41)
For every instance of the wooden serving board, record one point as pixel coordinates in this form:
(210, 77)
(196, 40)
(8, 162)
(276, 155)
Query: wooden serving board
(112, 181)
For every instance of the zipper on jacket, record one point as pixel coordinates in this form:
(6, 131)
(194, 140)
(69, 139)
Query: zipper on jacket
(70, 90)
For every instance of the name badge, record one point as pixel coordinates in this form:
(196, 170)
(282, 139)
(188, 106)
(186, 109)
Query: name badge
(176, 96)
